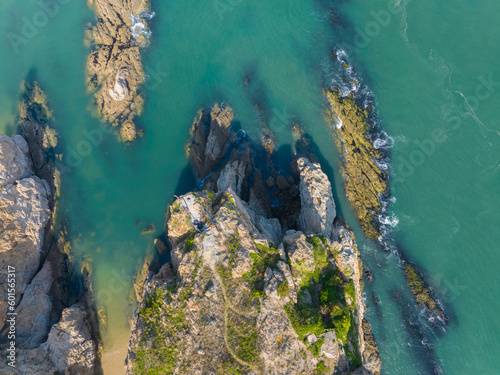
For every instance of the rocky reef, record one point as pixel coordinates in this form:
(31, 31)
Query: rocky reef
(364, 172)
(424, 297)
(244, 294)
(365, 182)
(46, 319)
(114, 66)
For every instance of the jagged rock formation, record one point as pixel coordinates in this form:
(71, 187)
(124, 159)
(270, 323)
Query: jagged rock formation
(241, 294)
(365, 182)
(114, 66)
(53, 331)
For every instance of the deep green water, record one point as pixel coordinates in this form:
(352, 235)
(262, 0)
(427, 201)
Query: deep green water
(420, 60)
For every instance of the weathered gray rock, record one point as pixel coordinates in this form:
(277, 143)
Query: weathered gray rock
(70, 349)
(318, 207)
(15, 163)
(33, 313)
(24, 214)
(330, 347)
(70, 345)
(211, 138)
(232, 176)
(300, 252)
(26, 230)
(349, 262)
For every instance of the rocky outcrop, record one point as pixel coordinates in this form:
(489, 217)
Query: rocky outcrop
(114, 66)
(350, 263)
(24, 215)
(69, 348)
(51, 332)
(211, 140)
(241, 295)
(318, 207)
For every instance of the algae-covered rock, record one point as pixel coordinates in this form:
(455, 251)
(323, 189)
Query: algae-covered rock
(365, 182)
(422, 293)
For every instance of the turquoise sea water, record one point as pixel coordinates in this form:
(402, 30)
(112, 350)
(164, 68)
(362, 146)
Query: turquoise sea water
(428, 66)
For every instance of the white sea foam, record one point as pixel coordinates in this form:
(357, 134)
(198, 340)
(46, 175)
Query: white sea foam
(138, 27)
(391, 221)
(339, 122)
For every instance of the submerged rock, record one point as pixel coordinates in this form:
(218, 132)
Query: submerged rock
(424, 297)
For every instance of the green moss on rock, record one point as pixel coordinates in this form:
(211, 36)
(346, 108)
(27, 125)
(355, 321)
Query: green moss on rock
(422, 292)
(364, 181)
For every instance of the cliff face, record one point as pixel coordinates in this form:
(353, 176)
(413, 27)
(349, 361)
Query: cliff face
(114, 65)
(243, 295)
(40, 313)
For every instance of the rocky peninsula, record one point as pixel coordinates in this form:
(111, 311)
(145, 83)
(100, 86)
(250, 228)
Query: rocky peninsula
(47, 322)
(114, 66)
(246, 291)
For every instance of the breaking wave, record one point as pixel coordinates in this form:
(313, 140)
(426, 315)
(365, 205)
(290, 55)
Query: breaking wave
(140, 31)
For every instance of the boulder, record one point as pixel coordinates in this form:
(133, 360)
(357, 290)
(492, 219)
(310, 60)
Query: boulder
(160, 246)
(70, 345)
(270, 182)
(282, 182)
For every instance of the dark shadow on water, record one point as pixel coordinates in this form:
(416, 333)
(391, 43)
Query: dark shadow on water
(187, 181)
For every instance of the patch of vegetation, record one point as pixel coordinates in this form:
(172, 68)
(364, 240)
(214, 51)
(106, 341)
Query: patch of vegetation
(321, 369)
(266, 257)
(316, 347)
(243, 337)
(283, 289)
(176, 207)
(320, 251)
(233, 244)
(321, 301)
(158, 349)
(190, 242)
(187, 290)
